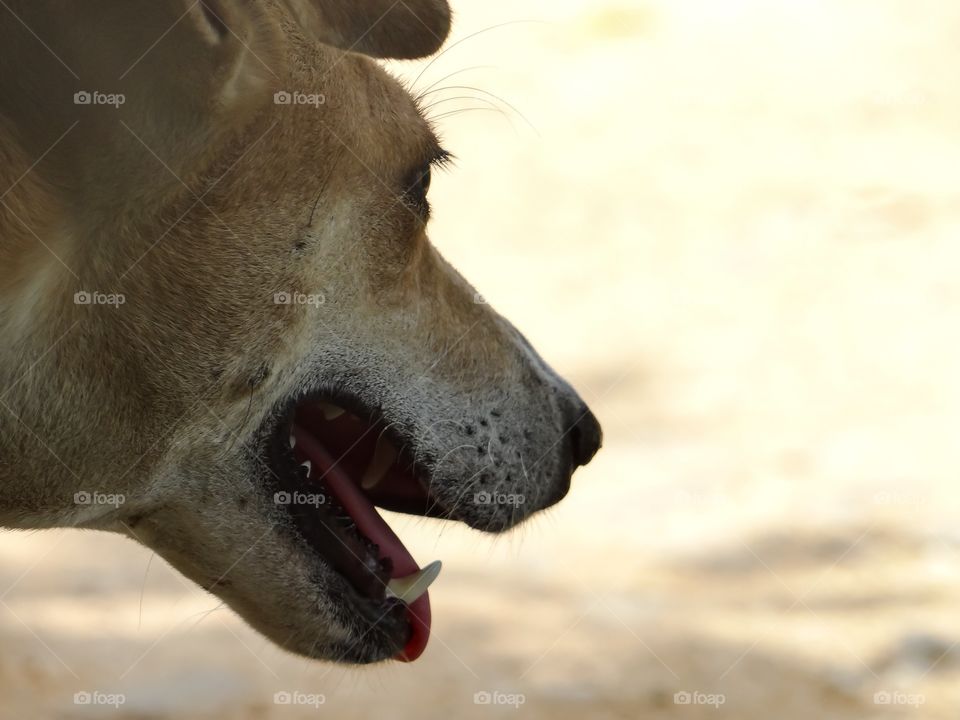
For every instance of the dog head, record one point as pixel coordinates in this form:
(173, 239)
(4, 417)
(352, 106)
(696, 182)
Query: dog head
(226, 317)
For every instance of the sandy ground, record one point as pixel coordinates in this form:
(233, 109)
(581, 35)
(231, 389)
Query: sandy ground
(734, 227)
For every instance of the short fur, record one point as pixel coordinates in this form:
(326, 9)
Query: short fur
(197, 200)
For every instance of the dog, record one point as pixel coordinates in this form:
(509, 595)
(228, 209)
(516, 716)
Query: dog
(225, 332)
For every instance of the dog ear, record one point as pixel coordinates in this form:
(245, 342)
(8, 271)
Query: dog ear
(124, 98)
(399, 29)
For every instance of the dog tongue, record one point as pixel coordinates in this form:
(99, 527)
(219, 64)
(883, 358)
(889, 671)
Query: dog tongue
(369, 522)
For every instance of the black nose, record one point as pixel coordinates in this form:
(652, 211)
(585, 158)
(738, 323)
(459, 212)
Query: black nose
(585, 434)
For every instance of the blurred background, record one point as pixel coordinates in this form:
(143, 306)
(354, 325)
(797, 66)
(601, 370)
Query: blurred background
(733, 225)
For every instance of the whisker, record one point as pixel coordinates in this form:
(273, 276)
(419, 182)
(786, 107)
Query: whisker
(485, 92)
(447, 77)
(458, 97)
(464, 39)
(463, 110)
(205, 614)
(472, 482)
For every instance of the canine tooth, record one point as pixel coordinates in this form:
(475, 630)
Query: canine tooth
(331, 411)
(412, 586)
(383, 457)
(306, 464)
(293, 442)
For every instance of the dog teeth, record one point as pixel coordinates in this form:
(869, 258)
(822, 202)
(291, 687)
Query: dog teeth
(293, 441)
(413, 586)
(306, 464)
(330, 411)
(383, 457)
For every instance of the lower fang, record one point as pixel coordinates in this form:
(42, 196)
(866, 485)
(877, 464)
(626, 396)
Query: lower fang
(413, 586)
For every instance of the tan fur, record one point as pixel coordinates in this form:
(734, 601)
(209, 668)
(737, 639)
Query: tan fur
(197, 200)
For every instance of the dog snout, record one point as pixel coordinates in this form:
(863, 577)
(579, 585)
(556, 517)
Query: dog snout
(586, 436)
(580, 425)
(582, 439)
(584, 432)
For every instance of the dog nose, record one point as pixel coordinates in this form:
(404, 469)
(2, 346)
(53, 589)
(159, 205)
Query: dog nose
(585, 433)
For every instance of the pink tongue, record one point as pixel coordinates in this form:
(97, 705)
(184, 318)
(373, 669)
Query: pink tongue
(372, 526)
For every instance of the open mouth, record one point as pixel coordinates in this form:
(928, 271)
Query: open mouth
(332, 468)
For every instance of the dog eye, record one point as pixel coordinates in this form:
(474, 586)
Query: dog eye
(425, 181)
(417, 189)
(421, 185)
